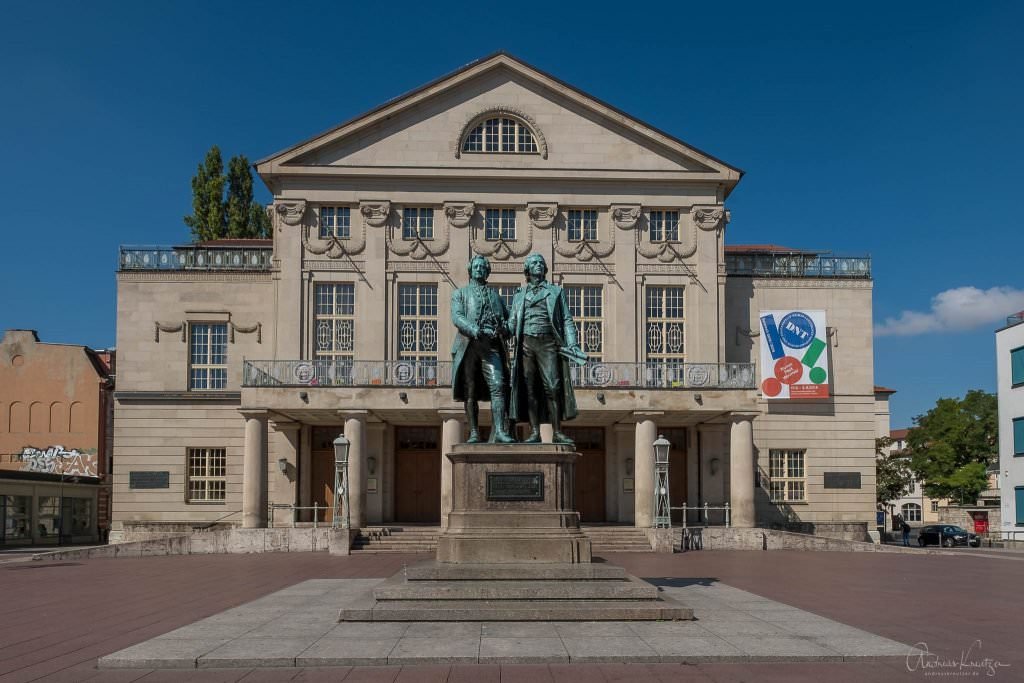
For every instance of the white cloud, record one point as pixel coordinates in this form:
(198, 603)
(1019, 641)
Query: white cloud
(961, 308)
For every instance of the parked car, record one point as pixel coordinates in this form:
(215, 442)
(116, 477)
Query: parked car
(947, 535)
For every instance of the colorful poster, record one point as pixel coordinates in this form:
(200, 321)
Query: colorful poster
(794, 355)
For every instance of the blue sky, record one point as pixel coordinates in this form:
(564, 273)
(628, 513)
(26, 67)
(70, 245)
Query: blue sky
(888, 129)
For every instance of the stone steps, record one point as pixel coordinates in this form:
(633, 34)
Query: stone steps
(610, 539)
(373, 540)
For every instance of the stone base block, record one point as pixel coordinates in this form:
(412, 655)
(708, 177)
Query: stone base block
(665, 609)
(566, 547)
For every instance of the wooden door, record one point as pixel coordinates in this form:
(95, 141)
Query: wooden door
(677, 472)
(590, 475)
(323, 484)
(417, 475)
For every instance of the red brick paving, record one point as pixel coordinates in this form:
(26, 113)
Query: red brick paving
(57, 618)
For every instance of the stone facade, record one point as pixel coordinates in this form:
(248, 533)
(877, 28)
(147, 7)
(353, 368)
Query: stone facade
(342, 324)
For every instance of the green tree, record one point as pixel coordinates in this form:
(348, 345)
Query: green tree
(893, 478)
(246, 218)
(952, 444)
(207, 220)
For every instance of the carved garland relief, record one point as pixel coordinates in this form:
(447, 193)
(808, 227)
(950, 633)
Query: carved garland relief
(704, 217)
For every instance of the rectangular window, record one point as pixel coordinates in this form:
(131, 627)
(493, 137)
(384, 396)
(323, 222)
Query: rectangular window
(48, 517)
(507, 292)
(1018, 493)
(335, 331)
(417, 222)
(935, 506)
(491, 135)
(1017, 366)
(786, 480)
(335, 221)
(1018, 436)
(417, 329)
(208, 356)
(500, 224)
(664, 226)
(582, 225)
(665, 324)
(587, 307)
(16, 518)
(207, 475)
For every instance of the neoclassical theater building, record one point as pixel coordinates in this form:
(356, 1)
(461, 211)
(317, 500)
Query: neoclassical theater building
(241, 362)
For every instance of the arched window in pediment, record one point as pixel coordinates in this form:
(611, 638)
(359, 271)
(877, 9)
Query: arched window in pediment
(500, 133)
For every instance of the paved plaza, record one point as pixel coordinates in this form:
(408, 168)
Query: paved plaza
(830, 616)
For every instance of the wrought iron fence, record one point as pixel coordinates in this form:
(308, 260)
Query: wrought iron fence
(798, 265)
(401, 373)
(195, 257)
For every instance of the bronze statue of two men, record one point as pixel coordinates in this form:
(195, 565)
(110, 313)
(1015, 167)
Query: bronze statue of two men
(534, 384)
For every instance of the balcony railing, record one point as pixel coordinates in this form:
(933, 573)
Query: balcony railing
(195, 257)
(400, 373)
(798, 265)
(1015, 319)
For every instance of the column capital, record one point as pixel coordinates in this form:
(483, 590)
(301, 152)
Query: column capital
(254, 413)
(354, 414)
(743, 417)
(646, 415)
(446, 414)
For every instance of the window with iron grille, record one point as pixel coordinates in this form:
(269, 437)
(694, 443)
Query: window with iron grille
(335, 221)
(417, 222)
(665, 324)
(581, 225)
(501, 136)
(207, 475)
(664, 226)
(335, 322)
(786, 480)
(417, 323)
(586, 304)
(208, 356)
(500, 224)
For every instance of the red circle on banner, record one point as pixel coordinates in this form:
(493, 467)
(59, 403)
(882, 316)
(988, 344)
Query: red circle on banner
(771, 387)
(788, 370)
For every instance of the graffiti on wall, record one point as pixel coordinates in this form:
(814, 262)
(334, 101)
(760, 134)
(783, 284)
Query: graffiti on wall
(58, 460)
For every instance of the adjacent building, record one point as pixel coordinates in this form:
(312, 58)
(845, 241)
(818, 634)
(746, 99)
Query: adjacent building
(240, 363)
(56, 408)
(1010, 391)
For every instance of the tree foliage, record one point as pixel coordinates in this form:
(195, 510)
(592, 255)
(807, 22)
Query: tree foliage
(207, 220)
(893, 477)
(951, 446)
(238, 215)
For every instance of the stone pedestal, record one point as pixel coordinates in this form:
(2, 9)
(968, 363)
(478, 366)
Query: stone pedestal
(512, 504)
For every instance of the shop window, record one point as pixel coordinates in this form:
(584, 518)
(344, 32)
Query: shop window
(787, 482)
(16, 518)
(207, 475)
(48, 517)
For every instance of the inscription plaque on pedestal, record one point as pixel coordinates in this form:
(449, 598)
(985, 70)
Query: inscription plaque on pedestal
(515, 486)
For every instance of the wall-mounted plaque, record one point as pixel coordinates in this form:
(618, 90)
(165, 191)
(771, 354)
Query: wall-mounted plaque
(515, 486)
(842, 480)
(149, 480)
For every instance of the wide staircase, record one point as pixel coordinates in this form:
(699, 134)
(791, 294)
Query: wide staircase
(396, 539)
(616, 539)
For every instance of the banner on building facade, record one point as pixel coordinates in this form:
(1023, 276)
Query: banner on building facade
(794, 354)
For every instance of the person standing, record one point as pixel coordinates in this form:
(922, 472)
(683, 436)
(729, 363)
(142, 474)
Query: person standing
(540, 388)
(905, 528)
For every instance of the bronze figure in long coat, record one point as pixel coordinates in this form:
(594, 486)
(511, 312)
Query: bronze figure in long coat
(479, 359)
(540, 384)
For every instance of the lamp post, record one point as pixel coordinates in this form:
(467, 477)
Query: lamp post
(341, 446)
(662, 510)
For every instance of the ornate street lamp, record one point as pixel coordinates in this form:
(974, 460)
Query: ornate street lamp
(662, 511)
(341, 446)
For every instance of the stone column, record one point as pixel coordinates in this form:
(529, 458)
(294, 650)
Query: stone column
(741, 471)
(451, 434)
(643, 450)
(355, 432)
(254, 470)
(306, 472)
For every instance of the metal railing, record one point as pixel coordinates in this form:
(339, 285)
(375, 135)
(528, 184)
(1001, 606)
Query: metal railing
(195, 257)
(1015, 319)
(317, 509)
(401, 373)
(798, 265)
(704, 511)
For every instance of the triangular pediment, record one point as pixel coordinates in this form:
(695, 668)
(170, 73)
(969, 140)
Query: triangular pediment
(425, 129)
